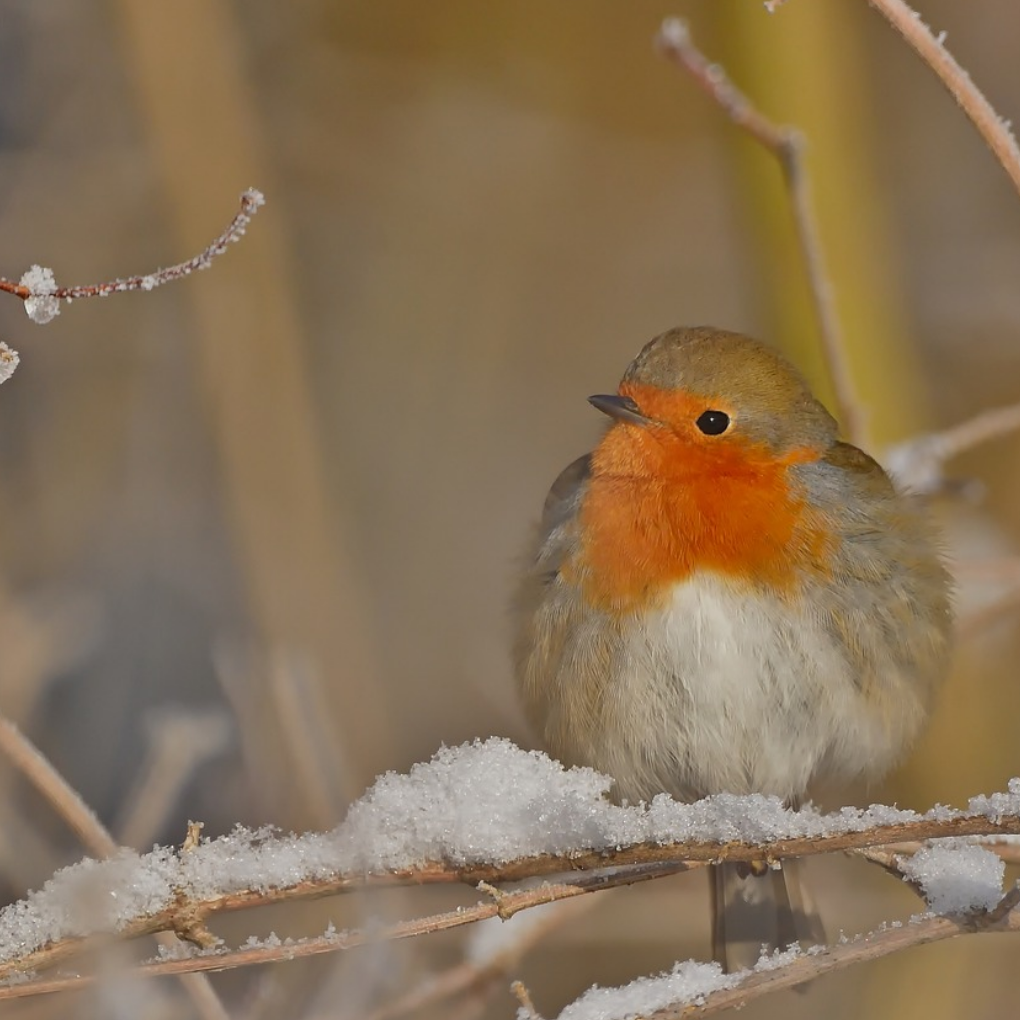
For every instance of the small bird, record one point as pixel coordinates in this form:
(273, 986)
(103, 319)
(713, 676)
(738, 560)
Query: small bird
(725, 598)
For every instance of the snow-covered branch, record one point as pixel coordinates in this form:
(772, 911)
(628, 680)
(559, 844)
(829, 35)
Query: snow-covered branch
(486, 813)
(693, 989)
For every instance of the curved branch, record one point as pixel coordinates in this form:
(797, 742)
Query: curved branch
(992, 128)
(786, 144)
(41, 295)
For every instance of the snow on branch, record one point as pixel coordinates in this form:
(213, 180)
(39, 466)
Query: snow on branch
(694, 989)
(485, 812)
(8, 362)
(42, 297)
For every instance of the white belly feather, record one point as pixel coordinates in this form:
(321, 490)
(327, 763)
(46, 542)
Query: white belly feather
(723, 690)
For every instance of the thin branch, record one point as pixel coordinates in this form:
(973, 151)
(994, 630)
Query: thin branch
(992, 128)
(803, 967)
(991, 424)
(874, 946)
(274, 951)
(41, 295)
(786, 144)
(917, 463)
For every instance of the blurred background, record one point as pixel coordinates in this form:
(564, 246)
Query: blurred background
(262, 525)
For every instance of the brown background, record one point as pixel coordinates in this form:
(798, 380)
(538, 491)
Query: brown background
(287, 496)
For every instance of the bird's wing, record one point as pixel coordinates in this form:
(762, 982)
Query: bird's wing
(865, 470)
(565, 495)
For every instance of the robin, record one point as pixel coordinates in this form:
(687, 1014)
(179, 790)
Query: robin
(723, 597)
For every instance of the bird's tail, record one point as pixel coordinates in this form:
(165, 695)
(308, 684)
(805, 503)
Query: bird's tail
(754, 905)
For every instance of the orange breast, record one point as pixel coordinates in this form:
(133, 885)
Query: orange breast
(658, 509)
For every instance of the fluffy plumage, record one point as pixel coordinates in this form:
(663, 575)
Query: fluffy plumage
(744, 612)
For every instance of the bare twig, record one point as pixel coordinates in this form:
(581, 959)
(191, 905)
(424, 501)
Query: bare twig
(523, 996)
(917, 463)
(786, 144)
(990, 125)
(295, 688)
(42, 295)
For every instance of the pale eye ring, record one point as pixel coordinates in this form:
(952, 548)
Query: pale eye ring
(713, 423)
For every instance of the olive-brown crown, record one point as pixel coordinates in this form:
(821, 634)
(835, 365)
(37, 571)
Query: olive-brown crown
(764, 395)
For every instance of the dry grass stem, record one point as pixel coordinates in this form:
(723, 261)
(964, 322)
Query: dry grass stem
(57, 792)
(181, 741)
(786, 145)
(295, 687)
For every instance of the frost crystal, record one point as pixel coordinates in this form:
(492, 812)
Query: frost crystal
(40, 304)
(8, 362)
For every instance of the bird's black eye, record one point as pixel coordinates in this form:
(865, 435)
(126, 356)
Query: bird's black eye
(713, 423)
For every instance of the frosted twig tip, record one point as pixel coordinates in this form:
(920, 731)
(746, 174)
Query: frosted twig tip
(673, 34)
(8, 362)
(42, 297)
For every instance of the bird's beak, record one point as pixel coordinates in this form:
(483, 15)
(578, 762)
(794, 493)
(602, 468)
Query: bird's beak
(620, 408)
